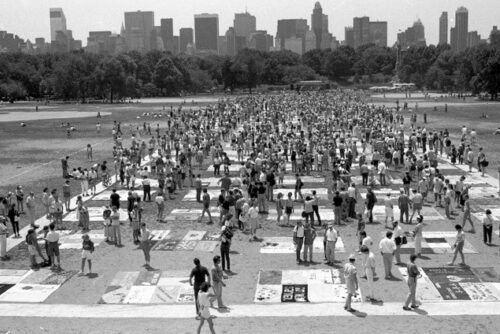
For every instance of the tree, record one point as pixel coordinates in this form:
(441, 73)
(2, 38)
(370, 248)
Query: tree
(166, 76)
(228, 76)
(248, 67)
(339, 64)
(111, 77)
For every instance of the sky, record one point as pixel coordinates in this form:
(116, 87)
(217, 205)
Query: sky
(30, 18)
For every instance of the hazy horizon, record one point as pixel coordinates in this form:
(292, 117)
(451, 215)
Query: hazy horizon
(30, 18)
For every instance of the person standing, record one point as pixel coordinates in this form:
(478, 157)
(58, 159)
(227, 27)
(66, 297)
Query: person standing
(146, 188)
(371, 199)
(115, 225)
(225, 246)
(309, 236)
(308, 209)
(87, 252)
(487, 227)
(217, 281)
(253, 217)
(397, 236)
(337, 208)
(298, 239)
(114, 199)
(64, 166)
(369, 265)
(458, 247)
(387, 248)
(417, 204)
(199, 273)
(413, 275)
(53, 246)
(351, 281)
(160, 204)
(66, 190)
(30, 206)
(198, 186)
(404, 206)
(331, 237)
(3, 238)
(146, 244)
(418, 235)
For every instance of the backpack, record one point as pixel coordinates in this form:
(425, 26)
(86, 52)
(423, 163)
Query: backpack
(106, 214)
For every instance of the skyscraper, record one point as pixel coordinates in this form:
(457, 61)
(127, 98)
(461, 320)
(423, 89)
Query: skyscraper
(291, 28)
(349, 36)
(244, 24)
(461, 29)
(167, 34)
(319, 25)
(378, 33)
(57, 22)
(206, 32)
(361, 30)
(473, 39)
(138, 29)
(413, 36)
(443, 28)
(185, 38)
(260, 40)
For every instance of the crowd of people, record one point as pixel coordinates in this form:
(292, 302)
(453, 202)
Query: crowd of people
(331, 134)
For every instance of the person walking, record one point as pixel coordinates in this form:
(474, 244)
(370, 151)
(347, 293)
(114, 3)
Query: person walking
(351, 282)
(87, 253)
(413, 276)
(53, 247)
(487, 227)
(200, 275)
(467, 214)
(397, 236)
(371, 199)
(160, 205)
(298, 239)
(387, 248)
(253, 217)
(206, 207)
(217, 281)
(458, 247)
(331, 237)
(337, 208)
(3, 238)
(202, 308)
(404, 206)
(315, 207)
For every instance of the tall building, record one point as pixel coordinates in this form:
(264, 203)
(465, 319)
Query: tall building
(461, 29)
(361, 28)
(206, 32)
(244, 24)
(473, 39)
(167, 34)
(453, 38)
(349, 37)
(319, 25)
(57, 22)
(291, 29)
(413, 36)
(310, 41)
(378, 33)
(99, 42)
(185, 38)
(222, 41)
(260, 40)
(443, 28)
(230, 42)
(138, 29)
(294, 44)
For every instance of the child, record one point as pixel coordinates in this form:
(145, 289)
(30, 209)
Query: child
(87, 251)
(288, 208)
(106, 215)
(389, 209)
(279, 207)
(203, 305)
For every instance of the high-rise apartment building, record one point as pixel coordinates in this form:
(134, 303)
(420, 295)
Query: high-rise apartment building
(349, 37)
(185, 38)
(206, 32)
(260, 40)
(461, 29)
(365, 32)
(244, 24)
(138, 29)
(473, 39)
(57, 22)
(443, 28)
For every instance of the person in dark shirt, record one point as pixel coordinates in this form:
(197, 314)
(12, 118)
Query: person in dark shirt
(199, 273)
(115, 199)
(337, 207)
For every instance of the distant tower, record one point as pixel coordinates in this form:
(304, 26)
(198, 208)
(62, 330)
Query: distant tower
(57, 22)
(461, 28)
(317, 23)
(443, 28)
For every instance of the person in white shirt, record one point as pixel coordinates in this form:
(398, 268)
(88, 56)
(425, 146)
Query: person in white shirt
(369, 265)
(381, 171)
(387, 248)
(331, 237)
(298, 239)
(397, 236)
(487, 227)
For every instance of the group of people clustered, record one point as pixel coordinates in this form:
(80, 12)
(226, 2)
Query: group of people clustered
(321, 133)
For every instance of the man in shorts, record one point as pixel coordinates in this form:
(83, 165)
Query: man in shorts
(52, 239)
(206, 206)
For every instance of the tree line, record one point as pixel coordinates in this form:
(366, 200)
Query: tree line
(85, 76)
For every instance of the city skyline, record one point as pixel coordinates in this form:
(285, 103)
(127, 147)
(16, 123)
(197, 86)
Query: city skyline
(83, 17)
